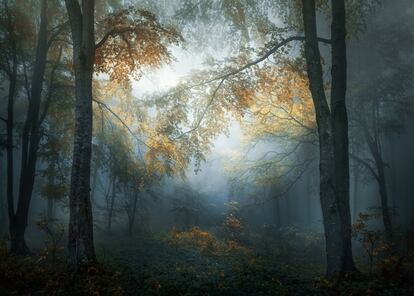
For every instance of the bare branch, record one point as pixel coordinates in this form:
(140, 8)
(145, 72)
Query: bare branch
(101, 104)
(365, 164)
(204, 112)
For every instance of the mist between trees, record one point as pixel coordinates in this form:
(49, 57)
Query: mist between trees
(276, 131)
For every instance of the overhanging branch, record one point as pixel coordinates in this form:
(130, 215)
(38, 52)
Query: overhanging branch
(262, 58)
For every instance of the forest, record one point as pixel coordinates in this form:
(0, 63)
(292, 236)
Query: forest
(213, 147)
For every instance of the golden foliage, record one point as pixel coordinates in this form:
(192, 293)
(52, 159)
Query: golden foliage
(283, 103)
(135, 39)
(204, 241)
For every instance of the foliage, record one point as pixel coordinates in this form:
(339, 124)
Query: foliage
(132, 39)
(371, 240)
(30, 276)
(54, 231)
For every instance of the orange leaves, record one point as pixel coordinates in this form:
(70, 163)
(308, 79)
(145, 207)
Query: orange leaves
(132, 39)
(165, 156)
(283, 102)
(244, 95)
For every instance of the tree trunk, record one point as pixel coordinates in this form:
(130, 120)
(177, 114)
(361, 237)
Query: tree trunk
(94, 180)
(374, 145)
(355, 194)
(50, 208)
(31, 138)
(133, 214)
(337, 234)
(339, 119)
(308, 200)
(386, 216)
(80, 241)
(277, 212)
(111, 204)
(9, 133)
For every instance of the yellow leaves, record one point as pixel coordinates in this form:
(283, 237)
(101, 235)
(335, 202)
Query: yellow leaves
(164, 156)
(134, 41)
(244, 95)
(282, 103)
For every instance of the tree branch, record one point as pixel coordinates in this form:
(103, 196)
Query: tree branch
(262, 58)
(204, 112)
(59, 29)
(364, 163)
(112, 33)
(101, 104)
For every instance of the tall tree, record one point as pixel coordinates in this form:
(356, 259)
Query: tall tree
(333, 135)
(82, 23)
(130, 39)
(31, 134)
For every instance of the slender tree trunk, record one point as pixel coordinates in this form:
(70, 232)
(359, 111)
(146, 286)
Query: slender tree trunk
(31, 138)
(133, 213)
(111, 204)
(386, 216)
(393, 176)
(94, 180)
(308, 199)
(355, 194)
(374, 146)
(80, 242)
(337, 230)
(277, 212)
(3, 199)
(9, 133)
(50, 208)
(288, 210)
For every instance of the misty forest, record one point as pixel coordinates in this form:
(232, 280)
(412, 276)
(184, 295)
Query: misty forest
(213, 147)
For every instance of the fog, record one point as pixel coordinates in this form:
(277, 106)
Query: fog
(207, 147)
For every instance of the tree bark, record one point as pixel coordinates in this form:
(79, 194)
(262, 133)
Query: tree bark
(112, 203)
(386, 216)
(339, 119)
(80, 243)
(12, 75)
(31, 138)
(337, 234)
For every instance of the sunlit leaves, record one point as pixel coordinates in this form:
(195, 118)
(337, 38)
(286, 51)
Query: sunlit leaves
(132, 39)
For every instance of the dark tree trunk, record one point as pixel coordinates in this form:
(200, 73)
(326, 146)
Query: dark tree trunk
(340, 127)
(111, 204)
(386, 216)
(94, 180)
(335, 220)
(50, 208)
(80, 242)
(308, 199)
(9, 151)
(31, 138)
(133, 213)
(374, 146)
(277, 212)
(12, 75)
(355, 194)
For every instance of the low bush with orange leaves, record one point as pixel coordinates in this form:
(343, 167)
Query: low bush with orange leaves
(204, 241)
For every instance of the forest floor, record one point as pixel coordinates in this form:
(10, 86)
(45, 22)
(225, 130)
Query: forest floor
(194, 263)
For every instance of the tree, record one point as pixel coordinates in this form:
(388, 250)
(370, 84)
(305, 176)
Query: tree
(31, 134)
(333, 136)
(331, 116)
(381, 102)
(133, 38)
